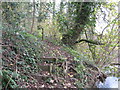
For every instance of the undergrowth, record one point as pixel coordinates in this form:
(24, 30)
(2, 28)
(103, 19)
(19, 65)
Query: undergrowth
(21, 51)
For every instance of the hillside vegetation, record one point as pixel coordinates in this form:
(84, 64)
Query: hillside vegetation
(46, 47)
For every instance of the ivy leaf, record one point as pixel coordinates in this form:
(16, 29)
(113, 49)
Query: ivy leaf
(15, 74)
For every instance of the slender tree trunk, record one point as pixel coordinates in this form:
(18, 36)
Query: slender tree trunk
(91, 47)
(33, 19)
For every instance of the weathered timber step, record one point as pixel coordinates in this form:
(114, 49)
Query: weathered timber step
(52, 59)
(39, 77)
(46, 67)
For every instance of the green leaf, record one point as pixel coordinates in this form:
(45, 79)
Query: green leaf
(15, 74)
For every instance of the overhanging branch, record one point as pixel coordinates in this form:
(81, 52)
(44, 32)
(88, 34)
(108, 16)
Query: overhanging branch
(90, 41)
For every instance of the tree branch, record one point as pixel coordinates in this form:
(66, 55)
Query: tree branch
(90, 41)
(110, 23)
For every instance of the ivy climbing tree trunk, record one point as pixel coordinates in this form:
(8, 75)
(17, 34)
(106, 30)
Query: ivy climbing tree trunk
(81, 14)
(53, 9)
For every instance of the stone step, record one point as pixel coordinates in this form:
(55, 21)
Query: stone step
(50, 68)
(39, 77)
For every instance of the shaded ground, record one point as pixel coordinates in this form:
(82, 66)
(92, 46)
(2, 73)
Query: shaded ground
(55, 51)
(42, 78)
